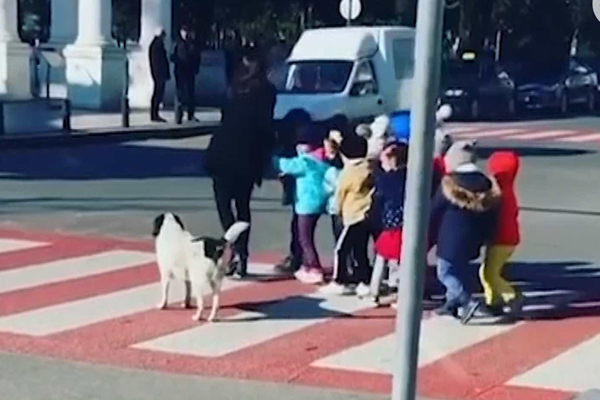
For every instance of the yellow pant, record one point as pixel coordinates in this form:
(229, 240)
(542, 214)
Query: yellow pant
(497, 290)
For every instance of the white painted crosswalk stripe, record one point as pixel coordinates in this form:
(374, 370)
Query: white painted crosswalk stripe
(592, 137)
(7, 245)
(255, 327)
(71, 268)
(541, 135)
(440, 337)
(575, 370)
(489, 133)
(77, 314)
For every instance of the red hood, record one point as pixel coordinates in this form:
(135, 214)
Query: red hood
(504, 165)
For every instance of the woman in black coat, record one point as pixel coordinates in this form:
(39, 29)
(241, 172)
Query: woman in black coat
(239, 153)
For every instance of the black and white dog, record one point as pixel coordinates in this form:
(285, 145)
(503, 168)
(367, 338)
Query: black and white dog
(200, 263)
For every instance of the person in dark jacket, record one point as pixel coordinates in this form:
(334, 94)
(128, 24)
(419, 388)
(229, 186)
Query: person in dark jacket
(240, 152)
(186, 63)
(159, 67)
(465, 208)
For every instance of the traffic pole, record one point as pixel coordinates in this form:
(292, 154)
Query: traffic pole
(426, 82)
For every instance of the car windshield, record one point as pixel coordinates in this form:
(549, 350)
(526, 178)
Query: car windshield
(309, 77)
(460, 72)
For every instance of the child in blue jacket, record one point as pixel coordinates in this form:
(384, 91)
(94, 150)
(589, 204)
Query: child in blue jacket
(310, 200)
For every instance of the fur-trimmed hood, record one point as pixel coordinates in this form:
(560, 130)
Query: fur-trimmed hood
(471, 191)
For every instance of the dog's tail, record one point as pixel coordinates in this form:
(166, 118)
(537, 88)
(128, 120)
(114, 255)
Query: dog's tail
(234, 232)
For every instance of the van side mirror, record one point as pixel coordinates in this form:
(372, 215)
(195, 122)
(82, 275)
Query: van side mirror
(360, 89)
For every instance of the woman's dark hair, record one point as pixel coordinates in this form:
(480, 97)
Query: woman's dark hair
(251, 73)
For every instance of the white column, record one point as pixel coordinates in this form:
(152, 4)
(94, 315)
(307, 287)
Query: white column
(155, 14)
(14, 55)
(8, 21)
(95, 66)
(95, 18)
(64, 21)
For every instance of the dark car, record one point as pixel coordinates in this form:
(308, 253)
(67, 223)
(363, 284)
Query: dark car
(557, 88)
(477, 87)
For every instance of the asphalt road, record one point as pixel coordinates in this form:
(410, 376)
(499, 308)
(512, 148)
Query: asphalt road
(117, 189)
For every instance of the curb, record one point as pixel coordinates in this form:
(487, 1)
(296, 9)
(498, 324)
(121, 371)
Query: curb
(117, 135)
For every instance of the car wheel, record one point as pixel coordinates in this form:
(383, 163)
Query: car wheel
(591, 101)
(511, 108)
(474, 110)
(564, 103)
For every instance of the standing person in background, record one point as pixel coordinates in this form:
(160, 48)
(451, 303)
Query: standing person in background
(186, 67)
(159, 68)
(238, 155)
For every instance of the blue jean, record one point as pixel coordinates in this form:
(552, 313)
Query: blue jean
(450, 274)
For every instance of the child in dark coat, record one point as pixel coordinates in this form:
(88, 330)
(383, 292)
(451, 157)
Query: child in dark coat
(390, 182)
(466, 207)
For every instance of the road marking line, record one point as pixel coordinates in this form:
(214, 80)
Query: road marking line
(252, 328)
(574, 370)
(490, 134)
(582, 138)
(8, 245)
(541, 135)
(71, 268)
(76, 314)
(440, 337)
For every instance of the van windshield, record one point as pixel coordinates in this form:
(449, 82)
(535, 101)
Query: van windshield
(310, 77)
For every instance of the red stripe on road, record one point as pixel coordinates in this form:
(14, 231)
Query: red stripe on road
(287, 357)
(144, 326)
(53, 252)
(76, 289)
(475, 370)
(521, 393)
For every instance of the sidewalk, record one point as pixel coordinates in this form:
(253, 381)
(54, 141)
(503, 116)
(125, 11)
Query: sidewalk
(93, 126)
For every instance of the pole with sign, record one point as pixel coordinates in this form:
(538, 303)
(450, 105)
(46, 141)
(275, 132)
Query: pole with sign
(350, 10)
(428, 49)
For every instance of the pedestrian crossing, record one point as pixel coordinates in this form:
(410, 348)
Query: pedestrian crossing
(523, 133)
(100, 307)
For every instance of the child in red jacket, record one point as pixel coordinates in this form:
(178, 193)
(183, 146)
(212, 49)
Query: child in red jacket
(504, 166)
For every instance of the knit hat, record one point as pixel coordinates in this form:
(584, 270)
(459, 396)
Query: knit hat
(364, 130)
(353, 147)
(459, 154)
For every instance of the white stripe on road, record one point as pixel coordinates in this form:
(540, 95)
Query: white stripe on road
(462, 129)
(575, 370)
(7, 245)
(76, 314)
(540, 135)
(440, 337)
(490, 134)
(592, 137)
(255, 327)
(71, 268)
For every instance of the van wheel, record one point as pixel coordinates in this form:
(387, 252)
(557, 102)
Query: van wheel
(564, 103)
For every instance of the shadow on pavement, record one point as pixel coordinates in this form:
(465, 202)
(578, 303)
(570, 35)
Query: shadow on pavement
(485, 152)
(107, 161)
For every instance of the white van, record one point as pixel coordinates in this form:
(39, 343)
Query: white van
(351, 72)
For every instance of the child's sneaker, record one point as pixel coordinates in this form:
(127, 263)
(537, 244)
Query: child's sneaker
(314, 277)
(363, 290)
(335, 289)
(303, 275)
